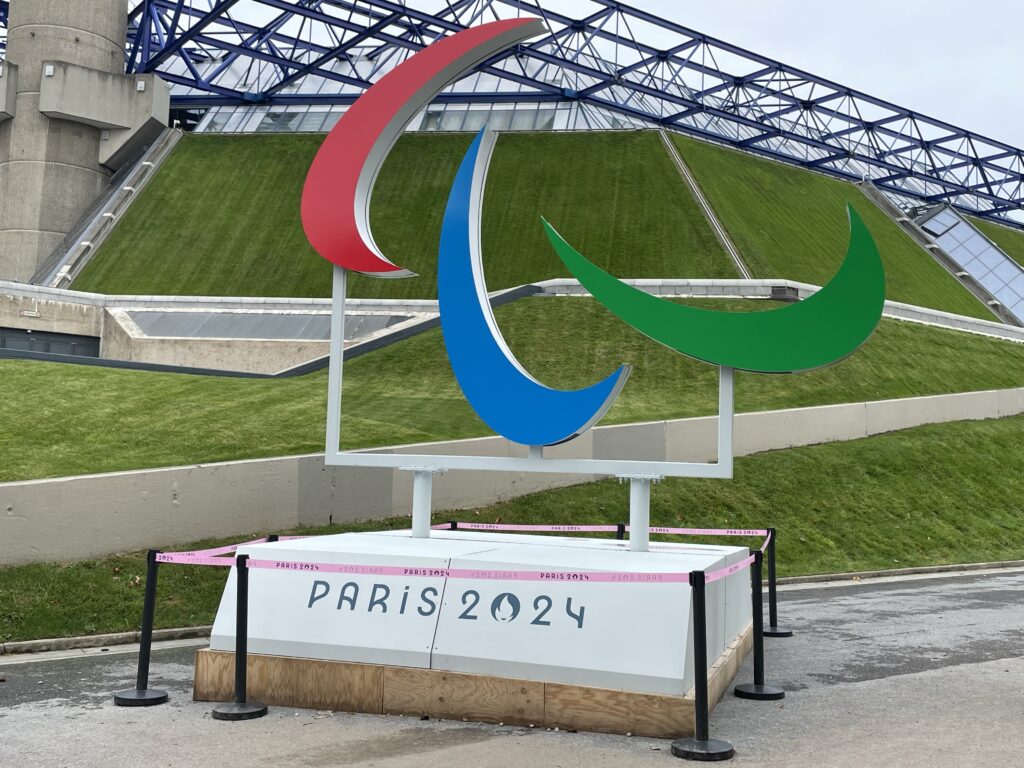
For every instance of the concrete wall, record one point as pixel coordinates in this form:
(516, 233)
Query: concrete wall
(78, 517)
(43, 314)
(49, 169)
(122, 340)
(8, 90)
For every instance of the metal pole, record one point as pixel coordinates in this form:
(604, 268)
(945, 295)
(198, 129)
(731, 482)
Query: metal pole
(241, 628)
(639, 514)
(726, 407)
(337, 359)
(239, 708)
(620, 531)
(700, 657)
(701, 746)
(141, 696)
(422, 487)
(758, 690)
(773, 629)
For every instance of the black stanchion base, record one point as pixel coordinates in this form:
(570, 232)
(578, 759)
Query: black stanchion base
(250, 710)
(694, 749)
(136, 698)
(759, 692)
(777, 632)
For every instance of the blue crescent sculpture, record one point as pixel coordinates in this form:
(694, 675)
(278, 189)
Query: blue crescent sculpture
(508, 399)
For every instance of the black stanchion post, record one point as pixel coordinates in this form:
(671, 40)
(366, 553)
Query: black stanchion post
(141, 695)
(272, 538)
(453, 525)
(758, 690)
(773, 629)
(240, 708)
(620, 531)
(701, 746)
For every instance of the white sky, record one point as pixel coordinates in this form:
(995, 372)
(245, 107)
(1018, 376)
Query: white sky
(962, 62)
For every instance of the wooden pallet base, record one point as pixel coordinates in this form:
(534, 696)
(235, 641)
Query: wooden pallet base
(347, 687)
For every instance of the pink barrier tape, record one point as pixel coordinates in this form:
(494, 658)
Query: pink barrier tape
(189, 558)
(722, 573)
(292, 538)
(227, 549)
(602, 528)
(495, 575)
(503, 527)
(607, 529)
(472, 573)
(710, 531)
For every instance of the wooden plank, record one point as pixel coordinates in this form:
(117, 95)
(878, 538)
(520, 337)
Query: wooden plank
(292, 682)
(348, 687)
(610, 711)
(215, 676)
(454, 695)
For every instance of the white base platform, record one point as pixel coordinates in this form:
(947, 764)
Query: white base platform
(624, 636)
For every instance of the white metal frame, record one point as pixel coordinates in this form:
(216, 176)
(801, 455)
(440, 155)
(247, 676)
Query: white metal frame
(640, 473)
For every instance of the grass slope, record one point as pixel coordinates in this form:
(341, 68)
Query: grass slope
(68, 419)
(791, 223)
(1010, 240)
(222, 216)
(949, 493)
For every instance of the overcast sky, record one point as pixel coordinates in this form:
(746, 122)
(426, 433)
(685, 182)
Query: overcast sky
(962, 62)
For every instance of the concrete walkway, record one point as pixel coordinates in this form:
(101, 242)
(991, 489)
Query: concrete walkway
(894, 673)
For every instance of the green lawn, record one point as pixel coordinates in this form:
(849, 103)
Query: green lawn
(1010, 240)
(949, 493)
(222, 216)
(791, 223)
(67, 419)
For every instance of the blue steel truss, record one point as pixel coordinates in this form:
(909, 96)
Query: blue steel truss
(598, 54)
(4, 5)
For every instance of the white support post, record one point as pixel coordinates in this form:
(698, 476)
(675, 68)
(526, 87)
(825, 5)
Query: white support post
(336, 360)
(725, 419)
(422, 488)
(639, 514)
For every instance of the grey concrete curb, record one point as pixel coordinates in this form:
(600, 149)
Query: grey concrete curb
(890, 572)
(186, 633)
(100, 641)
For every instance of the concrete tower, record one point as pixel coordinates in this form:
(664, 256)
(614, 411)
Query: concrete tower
(68, 118)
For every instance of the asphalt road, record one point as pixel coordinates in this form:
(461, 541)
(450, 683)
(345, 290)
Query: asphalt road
(894, 673)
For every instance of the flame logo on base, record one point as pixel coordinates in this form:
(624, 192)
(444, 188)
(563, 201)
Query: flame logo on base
(505, 607)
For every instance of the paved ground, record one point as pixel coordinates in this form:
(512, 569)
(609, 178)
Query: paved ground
(894, 673)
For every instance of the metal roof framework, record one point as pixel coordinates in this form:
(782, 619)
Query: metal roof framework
(601, 54)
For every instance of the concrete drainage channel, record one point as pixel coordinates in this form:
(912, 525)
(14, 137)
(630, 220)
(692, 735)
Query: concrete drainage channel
(234, 337)
(248, 338)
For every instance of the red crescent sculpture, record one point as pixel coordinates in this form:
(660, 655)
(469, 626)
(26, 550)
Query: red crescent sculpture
(336, 197)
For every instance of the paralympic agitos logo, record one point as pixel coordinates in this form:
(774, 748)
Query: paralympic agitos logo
(810, 334)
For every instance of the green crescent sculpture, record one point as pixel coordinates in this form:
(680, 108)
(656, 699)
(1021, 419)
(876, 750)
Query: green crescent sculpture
(813, 333)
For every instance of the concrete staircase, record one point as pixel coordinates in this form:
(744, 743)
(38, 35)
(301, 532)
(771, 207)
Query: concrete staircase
(81, 244)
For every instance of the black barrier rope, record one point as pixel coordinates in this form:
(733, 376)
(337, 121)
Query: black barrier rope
(142, 695)
(758, 690)
(701, 746)
(240, 708)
